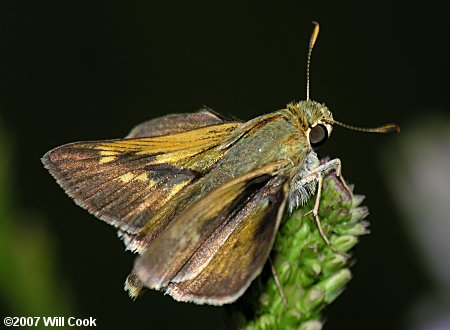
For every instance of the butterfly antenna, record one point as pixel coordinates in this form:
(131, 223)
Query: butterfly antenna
(312, 41)
(387, 128)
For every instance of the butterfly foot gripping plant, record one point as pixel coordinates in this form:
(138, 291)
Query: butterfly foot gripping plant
(310, 274)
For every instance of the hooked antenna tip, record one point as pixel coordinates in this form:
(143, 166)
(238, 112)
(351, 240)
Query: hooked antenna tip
(314, 35)
(312, 41)
(390, 128)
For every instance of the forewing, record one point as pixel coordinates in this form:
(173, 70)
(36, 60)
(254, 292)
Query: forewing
(125, 182)
(177, 123)
(215, 248)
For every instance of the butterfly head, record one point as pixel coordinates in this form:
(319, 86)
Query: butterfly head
(315, 120)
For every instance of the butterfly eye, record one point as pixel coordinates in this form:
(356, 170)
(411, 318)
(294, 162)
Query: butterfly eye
(318, 135)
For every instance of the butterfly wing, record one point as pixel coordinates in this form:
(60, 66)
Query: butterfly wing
(177, 123)
(214, 249)
(125, 182)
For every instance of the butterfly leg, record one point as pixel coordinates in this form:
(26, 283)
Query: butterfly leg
(338, 172)
(278, 284)
(317, 175)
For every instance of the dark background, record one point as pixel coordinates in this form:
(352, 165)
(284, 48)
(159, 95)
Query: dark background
(85, 70)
